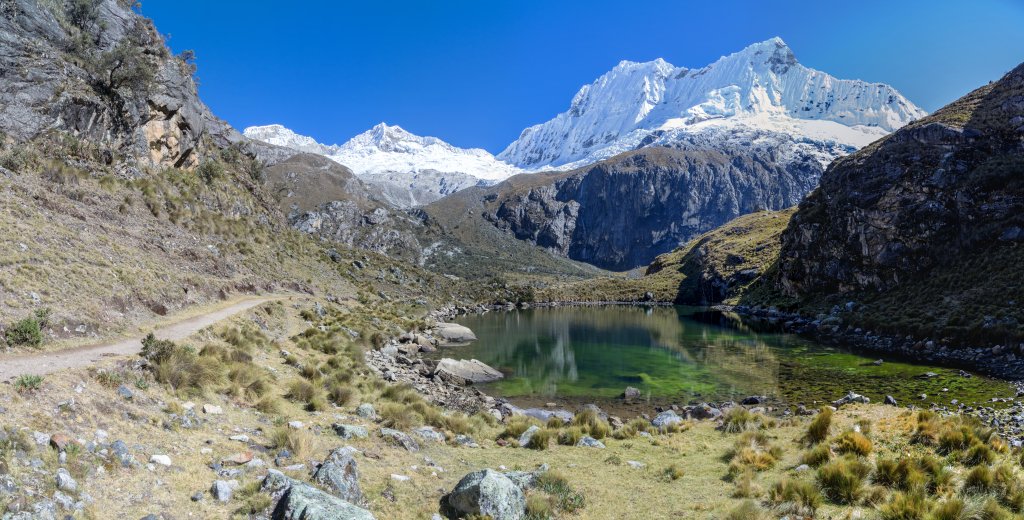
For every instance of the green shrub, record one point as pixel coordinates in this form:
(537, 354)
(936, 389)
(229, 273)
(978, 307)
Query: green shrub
(820, 426)
(541, 440)
(570, 436)
(156, 350)
(674, 472)
(842, 480)
(556, 485)
(853, 443)
(28, 383)
(904, 506)
(816, 456)
(747, 510)
(979, 480)
(738, 419)
(795, 497)
(26, 332)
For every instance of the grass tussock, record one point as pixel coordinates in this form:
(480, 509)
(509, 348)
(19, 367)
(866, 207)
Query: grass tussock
(842, 480)
(820, 426)
(795, 497)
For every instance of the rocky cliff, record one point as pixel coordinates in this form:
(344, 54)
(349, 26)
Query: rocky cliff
(100, 71)
(622, 212)
(934, 212)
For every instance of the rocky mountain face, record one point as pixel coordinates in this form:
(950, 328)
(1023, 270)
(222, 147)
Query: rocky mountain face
(325, 199)
(405, 169)
(101, 72)
(761, 88)
(622, 212)
(940, 188)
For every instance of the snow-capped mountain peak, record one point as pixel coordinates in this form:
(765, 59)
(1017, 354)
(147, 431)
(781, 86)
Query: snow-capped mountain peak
(408, 169)
(760, 88)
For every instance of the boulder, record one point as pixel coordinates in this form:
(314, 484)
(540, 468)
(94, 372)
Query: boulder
(666, 418)
(525, 438)
(350, 431)
(294, 500)
(367, 411)
(340, 474)
(589, 442)
(631, 393)
(890, 400)
(450, 334)
(465, 372)
(399, 438)
(222, 490)
(543, 415)
(485, 493)
(753, 400)
(428, 434)
(851, 397)
(65, 482)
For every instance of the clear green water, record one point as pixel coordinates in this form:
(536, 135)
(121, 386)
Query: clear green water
(686, 354)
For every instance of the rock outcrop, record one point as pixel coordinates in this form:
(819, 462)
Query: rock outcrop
(101, 72)
(486, 493)
(295, 500)
(623, 212)
(465, 372)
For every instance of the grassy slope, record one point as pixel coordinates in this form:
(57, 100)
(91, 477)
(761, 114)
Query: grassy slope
(105, 253)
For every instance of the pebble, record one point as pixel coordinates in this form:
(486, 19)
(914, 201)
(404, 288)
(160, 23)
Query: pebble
(162, 460)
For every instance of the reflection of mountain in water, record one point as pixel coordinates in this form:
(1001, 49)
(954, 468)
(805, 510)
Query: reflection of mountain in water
(599, 351)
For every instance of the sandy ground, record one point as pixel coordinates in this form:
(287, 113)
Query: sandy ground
(48, 362)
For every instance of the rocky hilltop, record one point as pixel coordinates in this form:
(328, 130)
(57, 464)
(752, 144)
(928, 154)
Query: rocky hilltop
(101, 72)
(942, 196)
(623, 212)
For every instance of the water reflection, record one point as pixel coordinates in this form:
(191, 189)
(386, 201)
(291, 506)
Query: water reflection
(678, 354)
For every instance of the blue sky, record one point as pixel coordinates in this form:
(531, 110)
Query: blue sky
(476, 72)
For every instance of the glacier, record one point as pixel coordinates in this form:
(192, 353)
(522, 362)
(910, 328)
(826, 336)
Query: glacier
(757, 91)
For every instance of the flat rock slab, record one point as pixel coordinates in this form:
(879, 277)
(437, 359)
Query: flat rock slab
(465, 372)
(449, 334)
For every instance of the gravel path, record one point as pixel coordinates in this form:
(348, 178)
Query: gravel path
(49, 362)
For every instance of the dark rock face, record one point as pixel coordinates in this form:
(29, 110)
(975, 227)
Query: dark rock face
(50, 80)
(933, 191)
(623, 212)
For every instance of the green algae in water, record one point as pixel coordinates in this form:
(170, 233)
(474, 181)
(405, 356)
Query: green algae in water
(684, 354)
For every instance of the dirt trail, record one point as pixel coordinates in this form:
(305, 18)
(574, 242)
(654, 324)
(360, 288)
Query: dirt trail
(49, 362)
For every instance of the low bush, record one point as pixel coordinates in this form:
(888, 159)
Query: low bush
(674, 472)
(842, 480)
(820, 426)
(854, 443)
(795, 497)
(816, 456)
(28, 383)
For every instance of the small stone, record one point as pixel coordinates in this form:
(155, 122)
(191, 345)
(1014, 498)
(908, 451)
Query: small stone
(400, 478)
(527, 436)
(125, 392)
(367, 411)
(350, 431)
(295, 425)
(60, 441)
(429, 434)
(212, 409)
(42, 439)
(222, 490)
(631, 393)
(240, 438)
(65, 482)
(802, 468)
(238, 459)
(890, 400)
(162, 460)
(636, 464)
(589, 442)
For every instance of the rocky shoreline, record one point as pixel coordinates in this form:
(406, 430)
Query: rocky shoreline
(401, 360)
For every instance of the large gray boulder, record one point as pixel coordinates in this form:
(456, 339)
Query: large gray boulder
(666, 418)
(465, 372)
(294, 500)
(450, 334)
(486, 493)
(340, 474)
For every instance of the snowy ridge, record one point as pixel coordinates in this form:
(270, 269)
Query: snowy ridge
(390, 149)
(761, 88)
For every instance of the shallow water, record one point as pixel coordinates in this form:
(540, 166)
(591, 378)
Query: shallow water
(686, 354)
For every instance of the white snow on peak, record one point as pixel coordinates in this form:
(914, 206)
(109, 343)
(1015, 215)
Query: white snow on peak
(760, 88)
(388, 149)
(280, 136)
